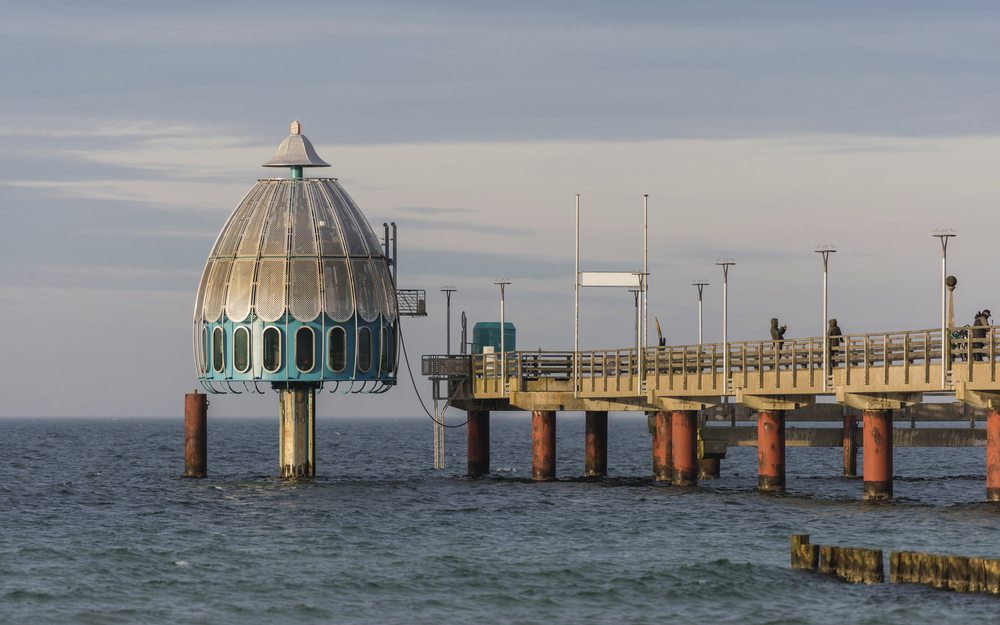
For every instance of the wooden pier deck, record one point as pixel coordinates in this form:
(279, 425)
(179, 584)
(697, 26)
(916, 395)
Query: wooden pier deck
(867, 371)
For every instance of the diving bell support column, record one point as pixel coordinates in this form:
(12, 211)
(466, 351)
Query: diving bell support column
(195, 434)
(297, 433)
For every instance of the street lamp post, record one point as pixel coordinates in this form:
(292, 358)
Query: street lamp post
(944, 234)
(502, 282)
(448, 290)
(725, 262)
(701, 284)
(825, 250)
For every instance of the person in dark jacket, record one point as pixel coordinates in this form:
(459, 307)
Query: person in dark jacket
(834, 333)
(979, 332)
(778, 335)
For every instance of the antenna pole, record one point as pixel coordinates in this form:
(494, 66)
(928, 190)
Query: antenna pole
(576, 293)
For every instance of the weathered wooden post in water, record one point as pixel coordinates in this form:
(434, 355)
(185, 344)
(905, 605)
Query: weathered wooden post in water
(297, 293)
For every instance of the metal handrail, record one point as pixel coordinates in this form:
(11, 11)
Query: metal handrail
(700, 367)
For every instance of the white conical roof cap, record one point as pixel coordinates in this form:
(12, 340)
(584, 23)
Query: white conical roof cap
(296, 151)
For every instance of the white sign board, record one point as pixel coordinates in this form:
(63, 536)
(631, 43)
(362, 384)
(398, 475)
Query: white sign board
(609, 278)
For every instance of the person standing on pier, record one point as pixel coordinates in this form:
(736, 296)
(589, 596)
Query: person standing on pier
(833, 332)
(778, 335)
(982, 321)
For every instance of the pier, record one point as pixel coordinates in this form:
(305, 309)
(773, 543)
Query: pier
(874, 374)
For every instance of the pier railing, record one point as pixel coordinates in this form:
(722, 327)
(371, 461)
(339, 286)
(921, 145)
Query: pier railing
(878, 362)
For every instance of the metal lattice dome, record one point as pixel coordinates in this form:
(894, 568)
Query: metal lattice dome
(297, 287)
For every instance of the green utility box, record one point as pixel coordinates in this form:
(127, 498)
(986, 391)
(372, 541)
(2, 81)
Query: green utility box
(487, 334)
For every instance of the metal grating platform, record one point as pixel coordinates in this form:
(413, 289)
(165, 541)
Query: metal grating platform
(411, 302)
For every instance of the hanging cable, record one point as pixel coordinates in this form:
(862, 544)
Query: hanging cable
(406, 357)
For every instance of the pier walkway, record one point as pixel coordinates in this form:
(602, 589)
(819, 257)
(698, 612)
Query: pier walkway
(866, 371)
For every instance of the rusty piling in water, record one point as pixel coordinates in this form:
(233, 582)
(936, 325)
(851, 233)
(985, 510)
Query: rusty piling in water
(662, 447)
(709, 468)
(543, 445)
(992, 454)
(478, 448)
(771, 450)
(878, 454)
(850, 446)
(596, 452)
(195, 434)
(684, 448)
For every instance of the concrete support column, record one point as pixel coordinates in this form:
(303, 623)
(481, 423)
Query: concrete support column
(771, 450)
(543, 445)
(850, 446)
(992, 454)
(298, 431)
(195, 434)
(878, 454)
(684, 448)
(596, 453)
(662, 448)
(478, 452)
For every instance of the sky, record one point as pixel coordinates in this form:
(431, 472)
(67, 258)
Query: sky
(758, 130)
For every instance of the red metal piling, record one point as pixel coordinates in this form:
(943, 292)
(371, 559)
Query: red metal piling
(992, 454)
(771, 450)
(662, 448)
(878, 454)
(684, 447)
(478, 451)
(543, 445)
(195, 434)
(596, 453)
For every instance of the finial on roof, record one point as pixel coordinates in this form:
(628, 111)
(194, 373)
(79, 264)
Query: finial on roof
(296, 151)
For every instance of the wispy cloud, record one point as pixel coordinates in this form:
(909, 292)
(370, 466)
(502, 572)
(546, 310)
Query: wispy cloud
(464, 226)
(128, 232)
(118, 272)
(201, 195)
(430, 210)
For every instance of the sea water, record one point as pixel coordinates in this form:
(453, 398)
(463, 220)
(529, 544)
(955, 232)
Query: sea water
(97, 526)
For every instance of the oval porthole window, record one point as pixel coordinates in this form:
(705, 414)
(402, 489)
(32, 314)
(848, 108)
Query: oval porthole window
(241, 349)
(218, 355)
(383, 363)
(304, 341)
(271, 357)
(364, 349)
(205, 352)
(337, 358)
